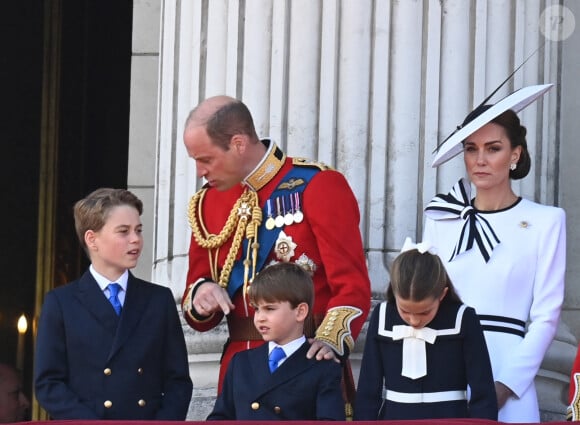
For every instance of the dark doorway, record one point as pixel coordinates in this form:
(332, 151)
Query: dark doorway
(65, 76)
(21, 29)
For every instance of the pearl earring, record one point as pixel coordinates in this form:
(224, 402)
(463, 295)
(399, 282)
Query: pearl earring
(513, 166)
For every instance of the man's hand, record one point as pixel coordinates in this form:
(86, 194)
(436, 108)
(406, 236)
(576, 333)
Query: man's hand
(503, 393)
(211, 298)
(321, 351)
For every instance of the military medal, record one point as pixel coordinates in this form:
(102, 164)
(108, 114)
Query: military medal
(284, 247)
(306, 263)
(288, 216)
(270, 223)
(298, 216)
(279, 220)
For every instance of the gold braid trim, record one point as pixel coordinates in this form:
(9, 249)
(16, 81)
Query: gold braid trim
(243, 220)
(303, 162)
(573, 411)
(348, 411)
(187, 303)
(253, 244)
(335, 328)
(195, 220)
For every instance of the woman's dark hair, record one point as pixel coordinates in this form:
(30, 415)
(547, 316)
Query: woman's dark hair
(416, 277)
(515, 132)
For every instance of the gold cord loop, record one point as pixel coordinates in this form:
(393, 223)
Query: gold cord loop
(243, 220)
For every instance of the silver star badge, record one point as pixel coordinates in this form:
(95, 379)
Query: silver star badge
(244, 210)
(284, 247)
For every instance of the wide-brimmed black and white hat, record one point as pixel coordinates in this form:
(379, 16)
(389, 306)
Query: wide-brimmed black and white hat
(518, 100)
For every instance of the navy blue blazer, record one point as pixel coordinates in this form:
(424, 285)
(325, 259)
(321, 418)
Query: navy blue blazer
(92, 364)
(457, 359)
(300, 389)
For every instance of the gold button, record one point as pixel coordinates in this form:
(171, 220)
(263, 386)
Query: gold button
(107, 371)
(255, 405)
(108, 404)
(141, 403)
(277, 409)
(140, 371)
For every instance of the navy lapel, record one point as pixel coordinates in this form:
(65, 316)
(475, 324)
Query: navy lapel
(136, 300)
(294, 365)
(259, 363)
(92, 298)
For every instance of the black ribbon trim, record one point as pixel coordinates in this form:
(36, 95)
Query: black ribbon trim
(503, 329)
(504, 319)
(476, 229)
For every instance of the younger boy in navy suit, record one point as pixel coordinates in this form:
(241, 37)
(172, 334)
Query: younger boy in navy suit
(109, 345)
(261, 384)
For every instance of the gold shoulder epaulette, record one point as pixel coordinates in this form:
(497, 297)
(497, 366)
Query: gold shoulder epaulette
(303, 162)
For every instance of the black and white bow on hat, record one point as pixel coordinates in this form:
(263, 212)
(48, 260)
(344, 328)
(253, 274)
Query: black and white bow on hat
(476, 229)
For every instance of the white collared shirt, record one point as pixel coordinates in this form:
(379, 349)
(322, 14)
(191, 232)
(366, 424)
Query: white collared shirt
(103, 283)
(289, 348)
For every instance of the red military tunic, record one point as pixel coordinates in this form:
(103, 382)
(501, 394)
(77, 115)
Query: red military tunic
(573, 412)
(327, 241)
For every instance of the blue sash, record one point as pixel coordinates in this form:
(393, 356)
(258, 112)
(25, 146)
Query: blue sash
(267, 238)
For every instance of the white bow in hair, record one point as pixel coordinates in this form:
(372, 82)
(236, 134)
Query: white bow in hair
(422, 247)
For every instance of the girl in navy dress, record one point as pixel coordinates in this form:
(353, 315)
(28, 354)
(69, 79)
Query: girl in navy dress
(425, 355)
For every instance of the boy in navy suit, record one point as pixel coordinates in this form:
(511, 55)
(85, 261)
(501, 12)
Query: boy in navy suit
(276, 381)
(110, 345)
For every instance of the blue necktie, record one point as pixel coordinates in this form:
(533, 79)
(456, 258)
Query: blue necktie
(276, 355)
(114, 289)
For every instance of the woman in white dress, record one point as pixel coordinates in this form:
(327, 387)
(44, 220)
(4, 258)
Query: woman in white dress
(505, 255)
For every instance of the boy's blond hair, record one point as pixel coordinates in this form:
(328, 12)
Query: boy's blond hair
(92, 212)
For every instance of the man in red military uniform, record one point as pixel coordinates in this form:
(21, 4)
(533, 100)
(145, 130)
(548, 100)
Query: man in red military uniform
(260, 207)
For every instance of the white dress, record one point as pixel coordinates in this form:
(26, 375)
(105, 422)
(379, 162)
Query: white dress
(523, 280)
